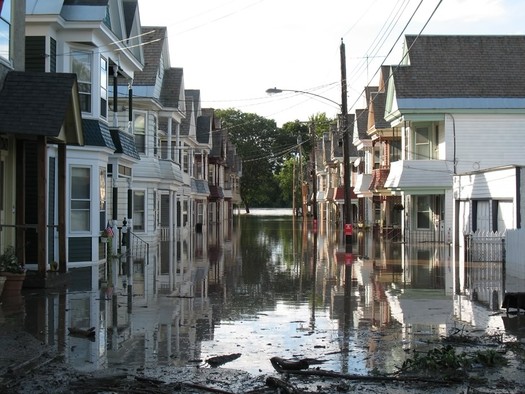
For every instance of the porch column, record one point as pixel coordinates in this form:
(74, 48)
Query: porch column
(62, 260)
(20, 216)
(42, 203)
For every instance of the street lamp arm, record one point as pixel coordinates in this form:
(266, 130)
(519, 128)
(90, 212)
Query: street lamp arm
(276, 91)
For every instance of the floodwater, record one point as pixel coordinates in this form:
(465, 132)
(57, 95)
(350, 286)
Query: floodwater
(267, 285)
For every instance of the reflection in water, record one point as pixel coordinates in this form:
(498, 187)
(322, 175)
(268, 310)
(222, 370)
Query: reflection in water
(265, 286)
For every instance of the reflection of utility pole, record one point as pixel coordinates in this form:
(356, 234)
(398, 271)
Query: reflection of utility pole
(346, 160)
(314, 177)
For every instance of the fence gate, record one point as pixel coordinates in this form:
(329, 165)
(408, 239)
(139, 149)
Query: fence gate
(485, 246)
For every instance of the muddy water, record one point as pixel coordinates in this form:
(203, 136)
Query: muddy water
(267, 285)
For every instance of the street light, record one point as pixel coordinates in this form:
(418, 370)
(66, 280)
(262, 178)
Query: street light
(276, 91)
(346, 150)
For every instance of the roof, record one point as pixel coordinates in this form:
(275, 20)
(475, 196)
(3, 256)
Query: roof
(171, 87)
(216, 193)
(152, 55)
(41, 104)
(462, 67)
(204, 129)
(200, 186)
(97, 133)
(192, 110)
(217, 139)
(124, 143)
(362, 123)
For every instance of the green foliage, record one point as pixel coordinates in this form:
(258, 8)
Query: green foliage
(445, 360)
(267, 152)
(263, 150)
(9, 261)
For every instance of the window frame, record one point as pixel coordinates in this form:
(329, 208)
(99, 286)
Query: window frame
(137, 133)
(85, 207)
(104, 78)
(6, 21)
(86, 95)
(141, 228)
(420, 211)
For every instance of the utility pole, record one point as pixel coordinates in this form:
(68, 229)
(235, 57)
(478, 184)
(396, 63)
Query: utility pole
(346, 159)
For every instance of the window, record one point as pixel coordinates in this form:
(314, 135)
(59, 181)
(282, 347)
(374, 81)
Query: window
(103, 87)
(422, 143)
(423, 214)
(377, 156)
(139, 131)
(5, 28)
(80, 199)
(102, 197)
(185, 160)
(395, 150)
(81, 65)
(155, 135)
(139, 211)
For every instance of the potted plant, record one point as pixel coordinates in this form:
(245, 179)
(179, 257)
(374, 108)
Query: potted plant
(12, 270)
(107, 234)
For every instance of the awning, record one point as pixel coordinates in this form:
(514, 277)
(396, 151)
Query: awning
(419, 176)
(361, 185)
(200, 186)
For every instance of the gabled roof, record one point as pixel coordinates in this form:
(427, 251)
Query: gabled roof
(377, 106)
(152, 55)
(171, 87)
(462, 67)
(41, 104)
(362, 124)
(192, 110)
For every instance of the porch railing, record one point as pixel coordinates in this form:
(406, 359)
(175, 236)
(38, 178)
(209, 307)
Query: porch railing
(131, 245)
(425, 236)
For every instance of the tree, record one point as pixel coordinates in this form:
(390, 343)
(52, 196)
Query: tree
(258, 143)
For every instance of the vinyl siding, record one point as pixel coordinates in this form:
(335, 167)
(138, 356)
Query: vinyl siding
(486, 140)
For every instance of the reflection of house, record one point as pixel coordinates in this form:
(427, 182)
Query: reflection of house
(457, 104)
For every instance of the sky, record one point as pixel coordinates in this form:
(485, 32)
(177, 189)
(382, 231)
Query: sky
(234, 50)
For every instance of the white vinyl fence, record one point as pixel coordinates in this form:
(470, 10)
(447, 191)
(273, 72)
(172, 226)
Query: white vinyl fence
(485, 246)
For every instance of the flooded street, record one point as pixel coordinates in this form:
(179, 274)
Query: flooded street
(266, 286)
